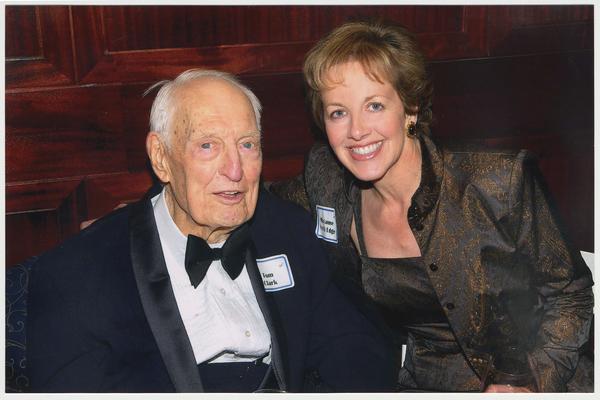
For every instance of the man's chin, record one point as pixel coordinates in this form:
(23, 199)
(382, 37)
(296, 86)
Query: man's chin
(233, 221)
(223, 218)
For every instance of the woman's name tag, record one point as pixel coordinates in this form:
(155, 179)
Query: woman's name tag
(326, 225)
(275, 272)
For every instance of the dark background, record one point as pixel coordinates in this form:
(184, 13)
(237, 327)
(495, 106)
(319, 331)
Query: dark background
(507, 76)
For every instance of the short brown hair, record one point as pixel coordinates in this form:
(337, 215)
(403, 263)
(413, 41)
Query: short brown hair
(385, 52)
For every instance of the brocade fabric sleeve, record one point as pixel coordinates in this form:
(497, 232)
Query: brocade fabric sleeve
(558, 273)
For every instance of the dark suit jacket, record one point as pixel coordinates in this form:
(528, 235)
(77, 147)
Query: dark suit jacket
(103, 317)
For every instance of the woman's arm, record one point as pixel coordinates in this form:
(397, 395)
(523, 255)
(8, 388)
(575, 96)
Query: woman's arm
(558, 273)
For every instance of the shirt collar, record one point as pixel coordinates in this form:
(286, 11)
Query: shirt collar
(169, 231)
(171, 236)
(426, 195)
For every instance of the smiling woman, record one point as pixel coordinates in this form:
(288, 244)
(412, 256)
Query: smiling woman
(457, 248)
(367, 126)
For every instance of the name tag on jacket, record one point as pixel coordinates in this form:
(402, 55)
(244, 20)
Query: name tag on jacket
(326, 224)
(276, 273)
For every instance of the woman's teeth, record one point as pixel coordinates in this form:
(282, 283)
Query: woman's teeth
(366, 149)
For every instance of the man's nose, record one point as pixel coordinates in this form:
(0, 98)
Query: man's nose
(232, 165)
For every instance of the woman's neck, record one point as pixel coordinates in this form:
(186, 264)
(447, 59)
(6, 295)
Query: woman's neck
(401, 181)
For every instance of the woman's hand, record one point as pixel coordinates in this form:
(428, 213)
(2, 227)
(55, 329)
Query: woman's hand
(495, 388)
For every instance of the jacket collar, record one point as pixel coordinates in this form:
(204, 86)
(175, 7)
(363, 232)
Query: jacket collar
(158, 300)
(427, 194)
(272, 319)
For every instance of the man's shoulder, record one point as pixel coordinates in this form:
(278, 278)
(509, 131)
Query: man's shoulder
(276, 210)
(97, 242)
(282, 227)
(280, 223)
(94, 258)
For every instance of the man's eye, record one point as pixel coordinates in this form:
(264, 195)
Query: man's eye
(206, 146)
(375, 107)
(248, 145)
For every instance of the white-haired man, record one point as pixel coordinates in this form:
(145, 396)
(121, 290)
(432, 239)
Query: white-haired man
(207, 283)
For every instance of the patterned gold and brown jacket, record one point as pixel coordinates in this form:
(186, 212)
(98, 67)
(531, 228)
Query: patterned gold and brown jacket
(485, 228)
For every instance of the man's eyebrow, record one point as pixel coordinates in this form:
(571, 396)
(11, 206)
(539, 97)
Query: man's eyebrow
(202, 131)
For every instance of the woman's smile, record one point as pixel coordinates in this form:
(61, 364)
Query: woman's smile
(365, 152)
(365, 121)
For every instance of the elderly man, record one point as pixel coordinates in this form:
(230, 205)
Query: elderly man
(207, 283)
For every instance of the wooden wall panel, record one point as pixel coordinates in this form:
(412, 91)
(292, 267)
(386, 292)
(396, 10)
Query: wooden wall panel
(103, 193)
(286, 124)
(137, 43)
(158, 27)
(40, 215)
(75, 131)
(537, 29)
(59, 154)
(27, 45)
(88, 39)
(47, 59)
(68, 108)
(136, 114)
(522, 96)
(76, 121)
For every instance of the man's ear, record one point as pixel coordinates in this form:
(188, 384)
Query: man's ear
(158, 156)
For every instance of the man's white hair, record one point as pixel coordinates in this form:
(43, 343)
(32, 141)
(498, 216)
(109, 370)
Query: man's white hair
(162, 107)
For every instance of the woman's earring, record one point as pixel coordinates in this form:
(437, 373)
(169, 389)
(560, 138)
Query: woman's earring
(412, 130)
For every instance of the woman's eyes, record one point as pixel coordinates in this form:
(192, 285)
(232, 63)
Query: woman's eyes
(375, 106)
(336, 114)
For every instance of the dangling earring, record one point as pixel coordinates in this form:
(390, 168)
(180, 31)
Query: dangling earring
(412, 130)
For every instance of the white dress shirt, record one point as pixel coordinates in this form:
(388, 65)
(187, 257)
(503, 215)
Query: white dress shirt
(221, 316)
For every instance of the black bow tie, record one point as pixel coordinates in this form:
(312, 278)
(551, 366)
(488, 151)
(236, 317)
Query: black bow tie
(199, 255)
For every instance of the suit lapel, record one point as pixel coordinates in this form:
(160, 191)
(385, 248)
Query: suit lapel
(265, 302)
(159, 301)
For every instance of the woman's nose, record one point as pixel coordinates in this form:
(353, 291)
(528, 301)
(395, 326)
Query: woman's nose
(358, 129)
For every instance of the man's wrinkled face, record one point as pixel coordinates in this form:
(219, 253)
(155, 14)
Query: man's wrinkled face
(214, 160)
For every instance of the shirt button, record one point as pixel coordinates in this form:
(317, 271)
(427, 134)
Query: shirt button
(433, 267)
(247, 333)
(223, 292)
(450, 306)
